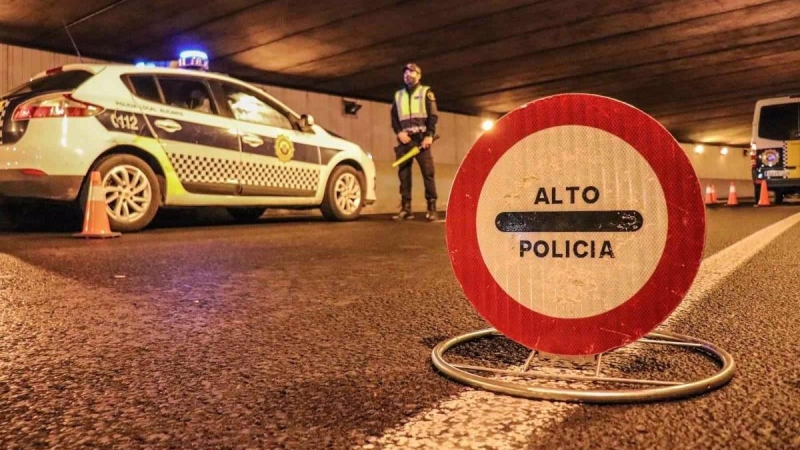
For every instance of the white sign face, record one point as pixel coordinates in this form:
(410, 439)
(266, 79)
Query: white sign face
(576, 225)
(572, 274)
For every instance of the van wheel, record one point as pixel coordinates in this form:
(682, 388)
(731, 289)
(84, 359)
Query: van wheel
(778, 197)
(131, 189)
(246, 214)
(344, 194)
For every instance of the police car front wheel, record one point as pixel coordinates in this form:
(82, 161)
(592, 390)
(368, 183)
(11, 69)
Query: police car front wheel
(131, 190)
(344, 194)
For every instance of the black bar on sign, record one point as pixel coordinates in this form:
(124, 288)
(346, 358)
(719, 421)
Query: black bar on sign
(564, 221)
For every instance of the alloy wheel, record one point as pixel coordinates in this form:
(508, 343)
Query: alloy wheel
(128, 193)
(348, 193)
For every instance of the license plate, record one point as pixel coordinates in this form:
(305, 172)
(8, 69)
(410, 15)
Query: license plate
(777, 173)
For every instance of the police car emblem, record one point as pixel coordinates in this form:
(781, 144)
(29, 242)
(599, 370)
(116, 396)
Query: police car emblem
(284, 149)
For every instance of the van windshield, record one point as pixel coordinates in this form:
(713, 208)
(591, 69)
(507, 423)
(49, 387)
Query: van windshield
(62, 81)
(780, 122)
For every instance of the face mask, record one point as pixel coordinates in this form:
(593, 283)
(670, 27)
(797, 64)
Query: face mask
(410, 77)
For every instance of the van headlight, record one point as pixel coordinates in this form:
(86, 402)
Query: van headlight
(770, 157)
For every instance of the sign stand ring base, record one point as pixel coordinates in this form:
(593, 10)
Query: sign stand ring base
(662, 390)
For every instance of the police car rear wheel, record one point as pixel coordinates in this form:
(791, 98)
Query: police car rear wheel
(132, 192)
(246, 214)
(344, 194)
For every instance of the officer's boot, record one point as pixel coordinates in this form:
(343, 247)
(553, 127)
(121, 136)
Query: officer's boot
(431, 213)
(405, 212)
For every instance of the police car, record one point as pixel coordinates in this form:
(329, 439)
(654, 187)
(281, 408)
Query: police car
(169, 137)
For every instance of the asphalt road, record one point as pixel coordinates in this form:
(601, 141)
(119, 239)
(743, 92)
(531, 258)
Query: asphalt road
(295, 333)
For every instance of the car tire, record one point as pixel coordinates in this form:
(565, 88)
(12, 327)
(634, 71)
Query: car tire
(247, 214)
(778, 197)
(344, 194)
(138, 194)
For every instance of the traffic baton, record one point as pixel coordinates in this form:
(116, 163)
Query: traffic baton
(409, 154)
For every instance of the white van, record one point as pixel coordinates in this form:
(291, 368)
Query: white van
(775, 146)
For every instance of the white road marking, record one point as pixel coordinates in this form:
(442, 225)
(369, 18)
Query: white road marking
(720, 265)
(477, 419)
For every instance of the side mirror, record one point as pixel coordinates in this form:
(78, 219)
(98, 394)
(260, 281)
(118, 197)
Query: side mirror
(306, 122)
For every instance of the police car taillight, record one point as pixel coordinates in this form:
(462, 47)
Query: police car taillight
(59, 105)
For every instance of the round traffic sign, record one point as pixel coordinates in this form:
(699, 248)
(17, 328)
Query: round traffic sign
(576, 225)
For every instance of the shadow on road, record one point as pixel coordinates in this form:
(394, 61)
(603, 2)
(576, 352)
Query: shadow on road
(58, 218)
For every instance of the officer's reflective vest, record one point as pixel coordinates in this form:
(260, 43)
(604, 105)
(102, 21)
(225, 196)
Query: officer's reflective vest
(411, 110)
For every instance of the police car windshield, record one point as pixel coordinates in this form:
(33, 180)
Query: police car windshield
(61, 81)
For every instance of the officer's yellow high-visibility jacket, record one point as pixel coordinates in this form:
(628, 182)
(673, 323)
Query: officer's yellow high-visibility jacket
(412, 110)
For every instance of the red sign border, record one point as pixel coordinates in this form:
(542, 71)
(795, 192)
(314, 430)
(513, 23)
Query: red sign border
(676, 269)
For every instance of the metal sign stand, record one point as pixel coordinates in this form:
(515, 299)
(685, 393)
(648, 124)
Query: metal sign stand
(585, 387)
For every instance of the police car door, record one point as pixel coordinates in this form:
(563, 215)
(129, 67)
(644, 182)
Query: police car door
(277, 160)
(202, 146)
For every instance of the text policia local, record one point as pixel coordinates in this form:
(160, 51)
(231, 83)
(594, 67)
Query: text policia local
(567, 249)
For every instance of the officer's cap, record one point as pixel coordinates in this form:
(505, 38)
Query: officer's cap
(412, 66)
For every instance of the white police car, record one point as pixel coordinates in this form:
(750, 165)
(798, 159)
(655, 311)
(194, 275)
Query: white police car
(163, 137)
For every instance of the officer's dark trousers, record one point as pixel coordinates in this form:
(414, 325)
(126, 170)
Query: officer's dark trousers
(425, 161)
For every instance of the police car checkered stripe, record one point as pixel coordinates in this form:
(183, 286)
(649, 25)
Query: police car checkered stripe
(287, 177)
(203, 169)
(3, 104)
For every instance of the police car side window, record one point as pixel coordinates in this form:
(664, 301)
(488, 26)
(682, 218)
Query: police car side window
(249, 107)
(144, 86)
(188, 94)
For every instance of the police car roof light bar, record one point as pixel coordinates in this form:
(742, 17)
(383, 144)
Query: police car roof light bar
(193, 59)
(193, 54)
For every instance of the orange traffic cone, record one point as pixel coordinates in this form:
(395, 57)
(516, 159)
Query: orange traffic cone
(763, 199)
(95, 219)
(733, 200)
(714, 194)
(708, 199)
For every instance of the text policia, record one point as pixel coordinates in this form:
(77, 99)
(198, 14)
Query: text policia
(567, 248)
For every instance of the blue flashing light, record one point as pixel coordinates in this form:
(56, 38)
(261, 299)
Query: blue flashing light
(193, 54)
(193, 59)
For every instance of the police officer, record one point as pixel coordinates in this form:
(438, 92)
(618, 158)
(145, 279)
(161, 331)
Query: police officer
(414, 117)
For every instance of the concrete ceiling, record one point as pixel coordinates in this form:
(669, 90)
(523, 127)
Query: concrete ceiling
(697, 66)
